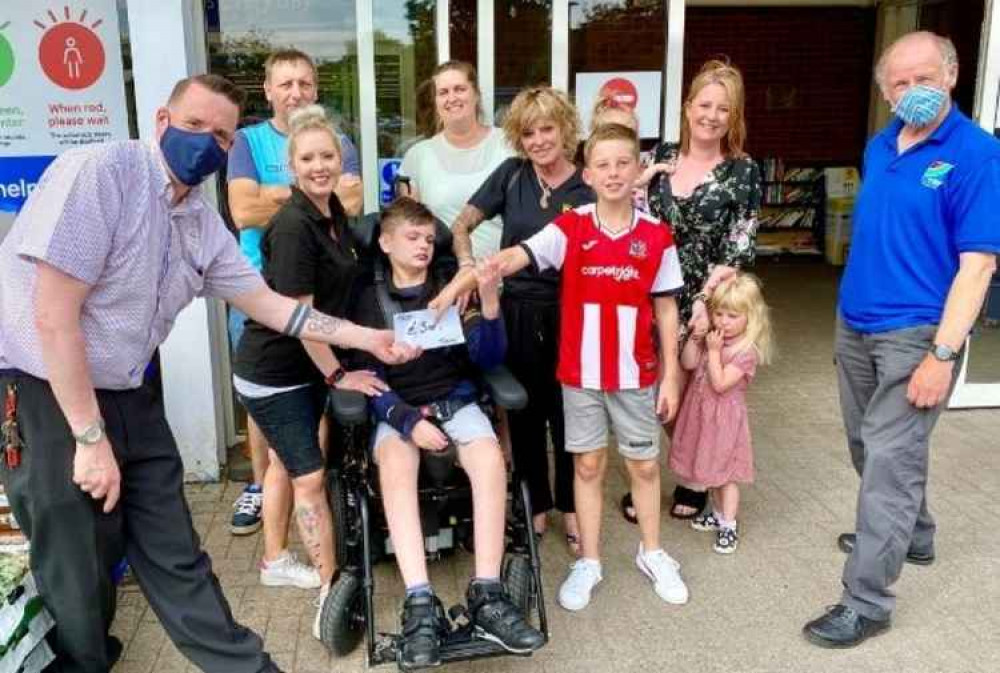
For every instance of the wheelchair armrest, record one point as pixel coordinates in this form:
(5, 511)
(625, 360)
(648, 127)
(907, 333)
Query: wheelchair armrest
(506, 391)
(348, 406)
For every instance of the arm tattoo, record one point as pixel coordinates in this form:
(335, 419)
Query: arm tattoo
(297, 320)
(322, 323)
(466, 222)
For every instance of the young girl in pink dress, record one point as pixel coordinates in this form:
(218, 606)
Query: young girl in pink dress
(711, 440)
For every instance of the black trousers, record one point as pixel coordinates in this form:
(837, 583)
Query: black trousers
(532, 354)
(74, 545)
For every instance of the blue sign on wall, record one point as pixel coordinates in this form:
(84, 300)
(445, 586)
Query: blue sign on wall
(18, 177)
(387, 171)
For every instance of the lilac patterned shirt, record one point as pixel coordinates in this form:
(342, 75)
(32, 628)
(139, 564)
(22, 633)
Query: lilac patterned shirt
(102, 215)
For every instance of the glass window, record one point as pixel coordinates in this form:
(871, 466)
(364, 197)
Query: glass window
(241, 34)
(619, 36)
(523, 49)
(405, 55)
(462, 29)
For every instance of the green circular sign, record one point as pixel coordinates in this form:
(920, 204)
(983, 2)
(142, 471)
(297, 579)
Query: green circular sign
(6, 60)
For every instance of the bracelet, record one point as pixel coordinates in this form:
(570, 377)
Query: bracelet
(700, 296)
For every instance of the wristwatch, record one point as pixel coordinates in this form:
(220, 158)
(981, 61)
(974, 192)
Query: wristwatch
(91, 434)
(335, 377)
(944, 353)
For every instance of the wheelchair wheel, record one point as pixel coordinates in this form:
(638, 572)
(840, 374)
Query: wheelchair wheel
(519, 581)
(336, 493)
(342, 623)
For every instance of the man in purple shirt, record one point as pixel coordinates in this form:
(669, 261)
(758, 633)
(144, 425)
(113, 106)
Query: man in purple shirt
(112, 244)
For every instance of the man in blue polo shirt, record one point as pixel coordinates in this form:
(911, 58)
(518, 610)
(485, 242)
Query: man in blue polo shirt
(926, 236)
(258, 185)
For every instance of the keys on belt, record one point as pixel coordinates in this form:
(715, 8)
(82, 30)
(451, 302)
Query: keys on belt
(443, 410)
(9, 430)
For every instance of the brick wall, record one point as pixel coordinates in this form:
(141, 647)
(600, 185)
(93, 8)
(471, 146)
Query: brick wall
(807, 73)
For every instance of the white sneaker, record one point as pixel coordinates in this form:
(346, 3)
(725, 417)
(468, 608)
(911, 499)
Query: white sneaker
(287, 571)
(584, 575)
(323, 593)
(665, 574)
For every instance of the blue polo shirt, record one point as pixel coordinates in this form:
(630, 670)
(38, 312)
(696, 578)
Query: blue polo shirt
(916, 213)
(260, 153)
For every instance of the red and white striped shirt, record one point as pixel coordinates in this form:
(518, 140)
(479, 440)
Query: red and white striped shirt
(608, 281)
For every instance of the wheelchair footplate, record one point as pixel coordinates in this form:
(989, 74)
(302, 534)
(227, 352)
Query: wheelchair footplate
(461, 643)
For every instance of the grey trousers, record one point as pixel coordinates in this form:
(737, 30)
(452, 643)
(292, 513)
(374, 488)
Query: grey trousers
(74, 545)
(889, 443)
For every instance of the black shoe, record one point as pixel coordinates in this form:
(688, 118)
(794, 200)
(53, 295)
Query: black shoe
(424, 625)
(842, 626)
(846, 543)
(497, 619)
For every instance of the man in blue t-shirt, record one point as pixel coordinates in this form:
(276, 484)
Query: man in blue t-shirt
(258, 185)
(926, 236)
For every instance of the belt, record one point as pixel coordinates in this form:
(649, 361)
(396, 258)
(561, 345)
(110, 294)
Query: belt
(444, 410)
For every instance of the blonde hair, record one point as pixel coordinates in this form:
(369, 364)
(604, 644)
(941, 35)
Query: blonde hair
(742, 294)
(309, 118)
(612, 131)
(542, 103)
(605, 104)
(730, 79)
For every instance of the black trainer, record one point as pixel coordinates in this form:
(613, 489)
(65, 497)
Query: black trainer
(843, 626)
(496, 618)
(424, 625)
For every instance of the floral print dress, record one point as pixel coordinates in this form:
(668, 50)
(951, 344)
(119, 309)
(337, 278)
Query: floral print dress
(717, 224)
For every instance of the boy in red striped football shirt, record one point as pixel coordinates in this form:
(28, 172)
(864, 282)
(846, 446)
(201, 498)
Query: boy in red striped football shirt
(619, 274)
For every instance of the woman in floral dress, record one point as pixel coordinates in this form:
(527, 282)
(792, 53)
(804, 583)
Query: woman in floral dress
(709, 190)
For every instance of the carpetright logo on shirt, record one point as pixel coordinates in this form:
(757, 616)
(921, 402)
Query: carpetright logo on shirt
(621, 274)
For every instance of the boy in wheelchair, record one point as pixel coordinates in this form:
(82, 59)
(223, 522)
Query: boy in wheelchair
(430, 405)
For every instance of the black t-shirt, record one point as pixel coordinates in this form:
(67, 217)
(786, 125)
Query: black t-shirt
(305, 253)
(513, 192)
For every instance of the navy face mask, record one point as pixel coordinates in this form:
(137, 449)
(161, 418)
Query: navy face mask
(191, 156)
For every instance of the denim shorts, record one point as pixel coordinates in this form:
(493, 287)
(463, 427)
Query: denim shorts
(290, 423)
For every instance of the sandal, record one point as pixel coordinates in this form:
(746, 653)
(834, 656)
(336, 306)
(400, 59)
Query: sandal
(573, 542)
(627, 508)
(684, 497)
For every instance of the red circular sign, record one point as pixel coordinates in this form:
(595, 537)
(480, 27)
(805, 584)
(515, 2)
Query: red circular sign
(621, 91)
(71, 55)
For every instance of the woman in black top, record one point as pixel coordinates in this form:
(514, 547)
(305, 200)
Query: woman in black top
(529, 191)
(283, 382)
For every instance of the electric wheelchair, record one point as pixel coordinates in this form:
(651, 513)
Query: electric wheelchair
(445, 499)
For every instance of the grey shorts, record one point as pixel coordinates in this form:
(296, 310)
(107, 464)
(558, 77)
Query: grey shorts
(631, 414)
(468, 424)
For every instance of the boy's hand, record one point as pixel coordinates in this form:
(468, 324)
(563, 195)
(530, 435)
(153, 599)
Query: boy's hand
(442, 302)
(428, 436)
(488, 281)
(667, 400)
(714, 341)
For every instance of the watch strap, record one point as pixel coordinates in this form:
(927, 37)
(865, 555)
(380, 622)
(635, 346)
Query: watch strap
(335, 377)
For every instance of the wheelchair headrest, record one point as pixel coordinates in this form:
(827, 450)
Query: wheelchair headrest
(366, 230)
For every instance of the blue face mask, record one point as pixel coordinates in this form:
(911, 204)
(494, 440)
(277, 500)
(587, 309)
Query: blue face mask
(920, 105)
(191, 156)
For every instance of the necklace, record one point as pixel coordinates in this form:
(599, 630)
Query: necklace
(546, 192)
(600, 222)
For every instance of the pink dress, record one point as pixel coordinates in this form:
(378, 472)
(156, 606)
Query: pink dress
(711, 440)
